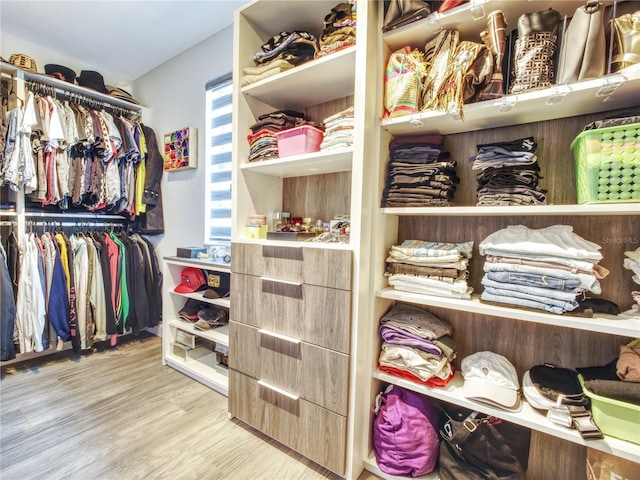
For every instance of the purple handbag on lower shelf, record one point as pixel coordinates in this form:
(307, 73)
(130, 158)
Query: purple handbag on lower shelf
(405, 433)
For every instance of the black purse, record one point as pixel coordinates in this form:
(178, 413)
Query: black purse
(474, 448)
(402, 12)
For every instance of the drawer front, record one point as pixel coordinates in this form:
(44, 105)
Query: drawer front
(316, 315)
(315, 374)
(313, 266)
(309, 429)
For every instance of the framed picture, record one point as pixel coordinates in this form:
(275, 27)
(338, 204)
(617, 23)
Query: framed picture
(180, 149)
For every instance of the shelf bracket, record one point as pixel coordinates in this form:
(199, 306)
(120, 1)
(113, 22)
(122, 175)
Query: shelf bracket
(476, 8)
(507, 103)
(610, 84)
(558, 92)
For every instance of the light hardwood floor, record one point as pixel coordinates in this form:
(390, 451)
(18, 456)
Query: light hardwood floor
(119, 414)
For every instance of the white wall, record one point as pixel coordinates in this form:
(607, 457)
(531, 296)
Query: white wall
(42, 56)
(175, 94)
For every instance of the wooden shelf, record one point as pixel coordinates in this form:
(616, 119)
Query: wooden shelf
(329, 78)
(217, 335)
(200, 263)
(316, 163)
(533, 210)
(609, 324)
(613, 91)
(526, 415)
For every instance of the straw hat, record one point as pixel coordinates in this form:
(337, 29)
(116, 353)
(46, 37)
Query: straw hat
(23, 61)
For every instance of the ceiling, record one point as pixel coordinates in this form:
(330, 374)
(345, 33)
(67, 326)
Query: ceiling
(126, 37)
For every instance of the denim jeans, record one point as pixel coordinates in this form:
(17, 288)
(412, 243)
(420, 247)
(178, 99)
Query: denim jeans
(588, 281)
(535, 280)
(521, 302)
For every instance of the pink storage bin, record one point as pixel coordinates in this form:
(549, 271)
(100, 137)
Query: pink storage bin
(299, 140)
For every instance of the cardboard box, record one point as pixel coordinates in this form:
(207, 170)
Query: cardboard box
(190, 252)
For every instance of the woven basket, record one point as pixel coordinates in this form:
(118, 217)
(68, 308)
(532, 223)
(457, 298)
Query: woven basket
(23, 61)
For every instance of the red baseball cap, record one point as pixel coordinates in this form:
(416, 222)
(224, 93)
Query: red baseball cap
(192, 280)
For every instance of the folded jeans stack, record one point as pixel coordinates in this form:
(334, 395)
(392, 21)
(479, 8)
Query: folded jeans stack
(430, 268)
(544, 269)
(416, 346)
(507, 173)
(338, 130)
(419, 174)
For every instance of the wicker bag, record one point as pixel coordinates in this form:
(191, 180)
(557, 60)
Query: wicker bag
(23, 61)
(403, 82)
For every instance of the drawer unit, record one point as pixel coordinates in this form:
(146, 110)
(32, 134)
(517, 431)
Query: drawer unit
(313, 314)
(316, 374)
(324, 267)
(311, 430)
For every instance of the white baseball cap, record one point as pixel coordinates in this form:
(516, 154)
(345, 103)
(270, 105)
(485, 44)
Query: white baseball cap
(490, 378)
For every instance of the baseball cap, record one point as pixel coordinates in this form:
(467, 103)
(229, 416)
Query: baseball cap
(192, 280)
(490, 378)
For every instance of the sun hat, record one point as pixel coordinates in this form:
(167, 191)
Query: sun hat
(93, 80)
(192, 280)
(23, 61)
(121, 94)
(490, 378)
(60, 72)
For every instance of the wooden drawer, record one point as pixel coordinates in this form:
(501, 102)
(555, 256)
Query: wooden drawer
(316, 374)
(313, 314)
(313, 266)
(309, 429)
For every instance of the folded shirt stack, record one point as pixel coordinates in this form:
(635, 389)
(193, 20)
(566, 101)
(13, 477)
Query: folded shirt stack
(339, 30)
(262, 139)
(338, 130)
(544, 269)
(507, 173)
(430, 268)
(416, 346)
(419, 174)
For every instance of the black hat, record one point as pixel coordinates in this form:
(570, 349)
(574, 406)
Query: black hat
(60, 72)
(93, 80)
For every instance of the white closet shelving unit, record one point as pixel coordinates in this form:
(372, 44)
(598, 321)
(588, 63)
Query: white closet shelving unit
(554, 117)
(202, 363)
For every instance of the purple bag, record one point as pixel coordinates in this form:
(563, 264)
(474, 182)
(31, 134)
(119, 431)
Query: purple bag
(405, 433)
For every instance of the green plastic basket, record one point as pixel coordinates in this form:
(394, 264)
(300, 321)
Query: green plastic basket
(614, 418)
(607, 162)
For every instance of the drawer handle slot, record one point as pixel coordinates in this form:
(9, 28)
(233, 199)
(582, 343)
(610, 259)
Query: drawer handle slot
(279, 336)
(278, 390)
(285, 282)
(285, 253)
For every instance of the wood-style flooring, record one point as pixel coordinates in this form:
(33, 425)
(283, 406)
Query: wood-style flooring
(118, 413)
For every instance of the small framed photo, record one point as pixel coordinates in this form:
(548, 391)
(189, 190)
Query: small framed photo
(181, 149)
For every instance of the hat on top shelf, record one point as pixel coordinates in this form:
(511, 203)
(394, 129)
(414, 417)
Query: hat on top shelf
(60, 72)
(121, 94)
(23, 61)
(490, 378)
(93, 80)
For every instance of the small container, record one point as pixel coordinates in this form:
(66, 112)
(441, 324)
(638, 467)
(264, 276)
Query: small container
(279, 219)
(299, 140)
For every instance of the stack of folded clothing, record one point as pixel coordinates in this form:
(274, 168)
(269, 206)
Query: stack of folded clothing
(545, 269)
(430, 268)
(632, 262)
(507, 173)
(262, 139)
(338, 130)
(416, 346)
(282, 52)
(419, 173)
(339, 30)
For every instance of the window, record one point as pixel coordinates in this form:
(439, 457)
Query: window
(218, 161)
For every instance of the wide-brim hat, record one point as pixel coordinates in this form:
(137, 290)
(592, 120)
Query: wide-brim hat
(23, 61)
(93, 80)
(121, 94)
(60, 72)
